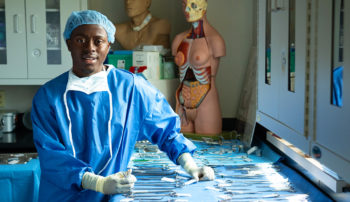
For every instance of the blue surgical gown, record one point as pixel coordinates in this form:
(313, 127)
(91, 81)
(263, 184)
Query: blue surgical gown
(140, 111)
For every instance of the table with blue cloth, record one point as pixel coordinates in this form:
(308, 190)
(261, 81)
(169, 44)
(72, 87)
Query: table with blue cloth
(256, 176)
(20, 182)
(239, 177)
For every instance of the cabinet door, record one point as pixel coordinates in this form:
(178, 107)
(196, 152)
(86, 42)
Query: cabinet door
(48, 55)
(333, 51)
(268, 82)
(293, 49)
(282, 64)
(13, 59)
(282, 61)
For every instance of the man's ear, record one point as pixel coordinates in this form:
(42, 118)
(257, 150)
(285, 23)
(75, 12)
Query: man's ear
(68, 42)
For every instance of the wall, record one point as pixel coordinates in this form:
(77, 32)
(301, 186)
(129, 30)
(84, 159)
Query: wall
(18, 98)
(233, 19)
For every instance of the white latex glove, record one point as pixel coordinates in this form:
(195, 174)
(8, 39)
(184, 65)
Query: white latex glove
(120, 182)
(188, 164)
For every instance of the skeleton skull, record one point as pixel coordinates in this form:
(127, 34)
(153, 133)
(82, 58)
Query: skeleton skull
(194, 9)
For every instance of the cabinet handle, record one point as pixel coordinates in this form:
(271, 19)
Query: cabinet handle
(283, 59)
(32, 23)
(16, 23)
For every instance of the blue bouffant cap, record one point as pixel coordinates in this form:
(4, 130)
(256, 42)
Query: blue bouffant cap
(78, 18)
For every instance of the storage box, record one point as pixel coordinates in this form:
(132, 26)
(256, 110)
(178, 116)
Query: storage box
(121, 59)
(149, 59)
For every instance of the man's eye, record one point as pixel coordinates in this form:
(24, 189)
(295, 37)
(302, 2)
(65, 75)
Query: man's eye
(80, 40)
(99, 41)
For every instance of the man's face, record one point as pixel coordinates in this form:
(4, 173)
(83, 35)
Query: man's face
(194, 9)
(136, 7)
(89, 47)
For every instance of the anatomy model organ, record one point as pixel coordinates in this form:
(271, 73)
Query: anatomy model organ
(197, 53)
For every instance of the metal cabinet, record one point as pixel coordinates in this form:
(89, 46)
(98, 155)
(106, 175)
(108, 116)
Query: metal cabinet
(282, 47)
(32, 49)
(307, 104)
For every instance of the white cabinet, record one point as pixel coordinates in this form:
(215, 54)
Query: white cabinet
(331, 135)
(13, 53)
(282, 41)
(32, 48)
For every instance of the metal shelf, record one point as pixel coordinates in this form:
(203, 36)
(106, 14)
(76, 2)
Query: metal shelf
(52, 10)
(53, 48)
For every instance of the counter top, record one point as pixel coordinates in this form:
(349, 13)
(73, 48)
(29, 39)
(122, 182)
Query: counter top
(20, 141)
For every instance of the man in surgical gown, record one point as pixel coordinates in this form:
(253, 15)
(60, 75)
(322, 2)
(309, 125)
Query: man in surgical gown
(87, 121)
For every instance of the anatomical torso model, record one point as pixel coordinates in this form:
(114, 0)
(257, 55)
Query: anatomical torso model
(143, 28)
(197, 53)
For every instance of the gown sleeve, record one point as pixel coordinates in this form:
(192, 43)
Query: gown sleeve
(161, 125)
(57, 163)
